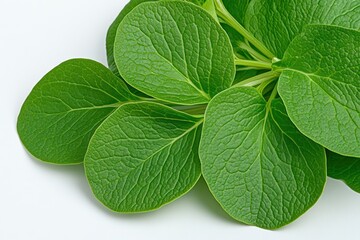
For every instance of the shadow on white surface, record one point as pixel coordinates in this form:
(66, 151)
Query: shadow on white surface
(200, 195)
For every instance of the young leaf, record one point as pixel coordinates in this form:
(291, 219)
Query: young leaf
(320, 86)
(64, 109)
(276, 23)
(111, 34)
(143, 156)
(258, 166)
(344, 168)
(174, 51)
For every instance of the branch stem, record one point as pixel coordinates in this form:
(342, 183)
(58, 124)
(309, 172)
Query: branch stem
(231, 21)
(251, 63)
(259, 79)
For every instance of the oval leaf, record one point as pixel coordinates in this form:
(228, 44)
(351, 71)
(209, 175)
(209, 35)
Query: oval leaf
(276, 23)
(174, 51)
(111, 33)
(143, 156)
(64, 109)
(320, 86)
(344, 168)
(258, 166)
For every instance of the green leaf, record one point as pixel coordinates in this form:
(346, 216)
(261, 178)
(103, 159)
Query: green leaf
(320, 86)
(235, 37)
(237, 8)
(64, 109)
(258, 166)
(344, 168)
(111, 34)
(197, 2)
(143, 156)
(276, 23)
(174, 51)
(110, 39)
(246, 74)
(208, 6)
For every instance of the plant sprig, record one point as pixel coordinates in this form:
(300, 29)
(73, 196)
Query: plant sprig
(261, 101)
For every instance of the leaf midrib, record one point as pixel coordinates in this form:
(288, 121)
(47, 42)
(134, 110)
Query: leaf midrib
(197, 124)
(114, 105)
(188, 80)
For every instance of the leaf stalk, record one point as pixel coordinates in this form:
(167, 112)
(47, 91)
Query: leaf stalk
(231, 21)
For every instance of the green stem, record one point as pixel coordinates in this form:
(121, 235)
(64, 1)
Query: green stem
(264, 84)
(259, 79)
(196, 110)
(231, 21)
(272, 96)
(253, 53)
(251, 63)
(246, 68)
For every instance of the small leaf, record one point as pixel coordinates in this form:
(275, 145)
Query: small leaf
(174, 51)
(143, 156)
(276, 23)
(344, 168)
(320, 86)
(64, 109)
(258, 166)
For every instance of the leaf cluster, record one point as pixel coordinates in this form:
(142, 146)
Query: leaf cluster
(260, 97)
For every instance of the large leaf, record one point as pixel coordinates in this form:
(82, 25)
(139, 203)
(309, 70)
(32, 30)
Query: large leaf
(277, 22)
(320, 86)
(258, 166)
(174, 51)
(143, 156)
(64, 109)
(344, 168)
(111, 34)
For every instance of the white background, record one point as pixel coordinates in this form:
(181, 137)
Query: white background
(40, 201)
